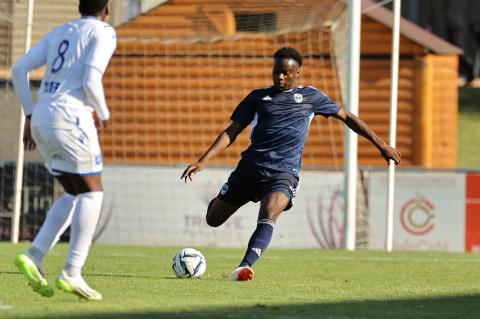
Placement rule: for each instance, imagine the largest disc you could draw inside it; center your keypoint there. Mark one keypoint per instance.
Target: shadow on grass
(467, 306)
(469, 99)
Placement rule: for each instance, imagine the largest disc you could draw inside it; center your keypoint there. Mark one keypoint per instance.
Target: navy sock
(258, 243)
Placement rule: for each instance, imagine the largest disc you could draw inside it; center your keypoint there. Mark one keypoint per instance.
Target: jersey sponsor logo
(58, 157)
(298, 97)
(224, 189)
(267, 98)
(51, 87)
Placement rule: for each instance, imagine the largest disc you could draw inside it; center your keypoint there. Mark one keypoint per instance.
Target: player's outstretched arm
(361, 128)
(224, 140)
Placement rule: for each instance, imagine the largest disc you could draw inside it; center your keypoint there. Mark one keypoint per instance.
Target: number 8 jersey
(66, 50)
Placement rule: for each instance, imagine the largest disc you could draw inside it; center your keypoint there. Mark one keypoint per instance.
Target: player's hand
(390, 153)
(191, 170)
(28, 142)
(101, 125)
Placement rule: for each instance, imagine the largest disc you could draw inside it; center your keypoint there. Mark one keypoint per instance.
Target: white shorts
(74, 150)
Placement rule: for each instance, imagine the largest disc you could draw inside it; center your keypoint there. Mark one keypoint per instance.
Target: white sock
(58, 219)
(85, 218)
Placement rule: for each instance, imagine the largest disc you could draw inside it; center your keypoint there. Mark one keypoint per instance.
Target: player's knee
(211, 220)
(210, 204)
(210, 216)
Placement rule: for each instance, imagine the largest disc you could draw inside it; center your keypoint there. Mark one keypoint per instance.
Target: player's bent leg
(77, 286)
(219, 211)
(30, 264)
(271, 207)
(34, 275)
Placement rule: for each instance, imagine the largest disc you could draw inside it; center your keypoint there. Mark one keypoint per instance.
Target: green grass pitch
(137, 282)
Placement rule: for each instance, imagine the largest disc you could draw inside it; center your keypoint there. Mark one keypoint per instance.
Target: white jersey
(67, 50)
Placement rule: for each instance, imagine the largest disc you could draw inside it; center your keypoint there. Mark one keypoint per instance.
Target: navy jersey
(280, 123)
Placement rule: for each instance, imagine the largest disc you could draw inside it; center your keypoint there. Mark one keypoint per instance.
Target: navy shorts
(250, 182)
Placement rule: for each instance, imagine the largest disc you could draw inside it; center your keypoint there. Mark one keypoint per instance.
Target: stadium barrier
(150, 205)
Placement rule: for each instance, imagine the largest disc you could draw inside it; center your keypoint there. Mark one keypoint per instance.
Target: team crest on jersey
(298, 97)
(224, 189)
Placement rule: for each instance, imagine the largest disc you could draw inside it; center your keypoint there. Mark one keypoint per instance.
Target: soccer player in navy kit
(268, 171)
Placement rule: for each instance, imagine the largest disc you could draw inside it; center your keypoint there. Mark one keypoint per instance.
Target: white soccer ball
(189, 263)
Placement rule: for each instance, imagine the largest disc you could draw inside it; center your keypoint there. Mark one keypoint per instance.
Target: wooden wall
(445, 110)
(170, 100)
(376, 39)
(428, 97)
(375, 108)
(196, 18)
(168, 107)
(436, 139)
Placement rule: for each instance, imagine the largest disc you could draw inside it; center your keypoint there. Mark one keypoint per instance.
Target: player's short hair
(289, 53)
(91, 7)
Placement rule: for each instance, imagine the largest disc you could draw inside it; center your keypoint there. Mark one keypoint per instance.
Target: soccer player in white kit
(61, 124)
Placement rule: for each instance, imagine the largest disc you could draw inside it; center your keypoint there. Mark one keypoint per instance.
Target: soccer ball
(189, 263)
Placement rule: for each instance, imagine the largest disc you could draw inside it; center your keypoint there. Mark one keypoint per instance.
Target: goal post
(351, 140)
(15, 230)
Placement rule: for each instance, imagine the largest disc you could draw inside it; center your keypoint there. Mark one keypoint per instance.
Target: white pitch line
(4, 307)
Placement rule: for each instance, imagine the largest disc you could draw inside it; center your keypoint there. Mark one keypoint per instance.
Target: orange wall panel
(170, 100)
